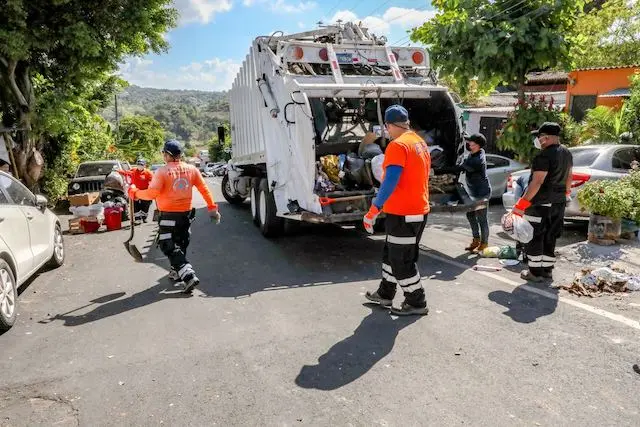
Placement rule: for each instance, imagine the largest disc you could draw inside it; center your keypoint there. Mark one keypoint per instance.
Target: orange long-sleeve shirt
(139, 178)
(172, 188)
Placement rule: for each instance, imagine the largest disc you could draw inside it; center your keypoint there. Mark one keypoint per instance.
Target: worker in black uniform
(544, 202)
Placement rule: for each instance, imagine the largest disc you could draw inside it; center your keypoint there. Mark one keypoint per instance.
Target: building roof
(613, 67)
(547, 77)
(620, 92)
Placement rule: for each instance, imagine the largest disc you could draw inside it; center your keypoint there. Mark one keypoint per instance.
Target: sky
(213, 36)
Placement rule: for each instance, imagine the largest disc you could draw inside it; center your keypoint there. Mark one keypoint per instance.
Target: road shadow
(353, 357)
(524, 306)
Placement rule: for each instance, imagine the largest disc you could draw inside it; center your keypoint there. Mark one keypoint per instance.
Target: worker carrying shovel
(404, 198)
(171, 187)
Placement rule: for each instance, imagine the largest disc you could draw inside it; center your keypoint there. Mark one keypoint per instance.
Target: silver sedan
(590, 163)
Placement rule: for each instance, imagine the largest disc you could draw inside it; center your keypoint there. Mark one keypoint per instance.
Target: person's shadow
(524, 306)
(354, 356)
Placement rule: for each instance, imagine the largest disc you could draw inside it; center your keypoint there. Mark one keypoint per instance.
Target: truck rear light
(418, 57)
(578, 179)
(510, 182)
(297, 53)
(324, 54)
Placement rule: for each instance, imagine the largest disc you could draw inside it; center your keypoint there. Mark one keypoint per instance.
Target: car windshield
(94, 169)
(585, 156)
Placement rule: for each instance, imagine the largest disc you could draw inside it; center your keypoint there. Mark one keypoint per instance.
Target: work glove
(370, 219)
(214, 214)
(132, 192)
(568, 198)
(521, 206)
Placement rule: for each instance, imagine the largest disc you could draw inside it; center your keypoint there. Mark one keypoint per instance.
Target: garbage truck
(307, 131)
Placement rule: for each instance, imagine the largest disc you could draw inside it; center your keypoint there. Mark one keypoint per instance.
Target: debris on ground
(603, 280)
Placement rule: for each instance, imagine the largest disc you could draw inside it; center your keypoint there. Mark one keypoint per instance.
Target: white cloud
(201, 11)
(381, 25)
(283, 6)
(213, 75)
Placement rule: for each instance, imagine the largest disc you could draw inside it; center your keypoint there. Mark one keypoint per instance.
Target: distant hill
(188, 115)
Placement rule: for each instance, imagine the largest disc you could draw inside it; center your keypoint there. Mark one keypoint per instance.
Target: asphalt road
(278, 334)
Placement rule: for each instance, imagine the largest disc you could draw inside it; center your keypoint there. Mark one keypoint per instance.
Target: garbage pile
(603, 280)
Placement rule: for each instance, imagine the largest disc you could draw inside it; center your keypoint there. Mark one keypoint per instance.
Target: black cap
(548, 128)
(172, 148)
(478, 138)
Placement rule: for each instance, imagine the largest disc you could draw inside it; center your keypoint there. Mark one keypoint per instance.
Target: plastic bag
(330, 166)
(508, 252)
(491, 252)
(517, 227)
(376, 167)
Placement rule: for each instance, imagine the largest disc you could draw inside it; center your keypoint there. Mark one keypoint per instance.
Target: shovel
(325, 201)
(130, 247)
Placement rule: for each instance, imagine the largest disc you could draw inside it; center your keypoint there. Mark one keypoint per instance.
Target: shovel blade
(133, 251)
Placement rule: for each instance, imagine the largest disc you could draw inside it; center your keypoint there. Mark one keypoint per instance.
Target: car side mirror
(41, 202)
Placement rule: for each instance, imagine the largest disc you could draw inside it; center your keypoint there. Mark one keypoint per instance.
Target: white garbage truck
(308, 139)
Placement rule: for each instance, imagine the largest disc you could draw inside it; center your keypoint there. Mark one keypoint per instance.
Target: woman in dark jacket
(475, 168)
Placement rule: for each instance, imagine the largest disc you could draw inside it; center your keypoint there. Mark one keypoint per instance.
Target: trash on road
(502, 252)
(486, 268)
(509, 262)
(595, 282)
(517, 227)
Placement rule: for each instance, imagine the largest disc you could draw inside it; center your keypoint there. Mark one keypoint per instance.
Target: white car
(30, 238)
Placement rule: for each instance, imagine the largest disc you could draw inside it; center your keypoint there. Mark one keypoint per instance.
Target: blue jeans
(479, 224)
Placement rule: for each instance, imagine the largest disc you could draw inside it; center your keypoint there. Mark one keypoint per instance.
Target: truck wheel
(228, 193)
(8, 297)
(270, 224)
(255, 197)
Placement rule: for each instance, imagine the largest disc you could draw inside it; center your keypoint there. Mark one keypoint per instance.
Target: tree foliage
(499, 41)
(609, 35)
(604, 125)
(139, 136)
(632, 107)
(64, 45)
(221, 152)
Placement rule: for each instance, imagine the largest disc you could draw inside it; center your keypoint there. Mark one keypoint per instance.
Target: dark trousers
(174, 235)
(547, 222)
(141, 206)
(479, 224)
(400, 257)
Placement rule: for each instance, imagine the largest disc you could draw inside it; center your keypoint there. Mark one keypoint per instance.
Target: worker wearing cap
(544, 202)
(475, 169)
(171, 187)
(404, 198)
(141, 178)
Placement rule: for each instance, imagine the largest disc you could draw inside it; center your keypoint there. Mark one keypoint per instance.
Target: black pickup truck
(91, 175)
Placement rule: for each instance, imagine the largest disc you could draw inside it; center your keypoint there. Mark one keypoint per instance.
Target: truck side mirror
(221, 135)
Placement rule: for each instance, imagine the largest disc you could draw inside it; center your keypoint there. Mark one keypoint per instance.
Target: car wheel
(271, 225)
(57, 259)
(8, 296)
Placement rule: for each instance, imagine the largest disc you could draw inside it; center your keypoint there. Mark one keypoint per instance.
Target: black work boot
(407, 309)
(375, 297)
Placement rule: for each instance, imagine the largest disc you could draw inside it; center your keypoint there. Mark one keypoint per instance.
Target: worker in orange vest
(171, 187)
(404, 198)
(141, 178)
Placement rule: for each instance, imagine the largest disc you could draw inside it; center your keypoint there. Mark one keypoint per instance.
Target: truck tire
(228, 194)
(8, 296)
(270, 224)
(255, 197)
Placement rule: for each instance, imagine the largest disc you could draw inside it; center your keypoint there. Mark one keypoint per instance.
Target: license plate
(344, 58)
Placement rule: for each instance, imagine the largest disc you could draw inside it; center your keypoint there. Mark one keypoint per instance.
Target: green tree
(64, 44)
(609, 35)
(140, 136)
(605, 125)
(632, 107)
(499, 41)
(221, 152)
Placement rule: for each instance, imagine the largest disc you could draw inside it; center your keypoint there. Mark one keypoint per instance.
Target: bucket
(113, 218)
(89, 226)
(604, 230)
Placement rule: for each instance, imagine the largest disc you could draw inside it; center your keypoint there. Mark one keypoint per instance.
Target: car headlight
(75, 186)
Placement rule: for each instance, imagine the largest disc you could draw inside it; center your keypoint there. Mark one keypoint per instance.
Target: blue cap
(396, 114)
(172, 148)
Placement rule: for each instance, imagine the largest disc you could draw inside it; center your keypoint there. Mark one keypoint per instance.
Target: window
(17, 192)
(580, 104)
(623, 158)
(496, 162)
(95, 169)
(3, 198)
(585, 156)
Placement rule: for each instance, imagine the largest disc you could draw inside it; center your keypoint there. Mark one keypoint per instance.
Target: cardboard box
(85, 199)
(74, 226)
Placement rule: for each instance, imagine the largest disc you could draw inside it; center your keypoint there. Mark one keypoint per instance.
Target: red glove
(521, 206)
(370, 218)
(132, 192)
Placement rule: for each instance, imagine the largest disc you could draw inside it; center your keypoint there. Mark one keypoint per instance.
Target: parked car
(590, 163)
(499, 168)
(30, 237)
(90, 176)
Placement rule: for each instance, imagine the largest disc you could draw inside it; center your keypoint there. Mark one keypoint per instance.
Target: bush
(528, 116)
(614, 199)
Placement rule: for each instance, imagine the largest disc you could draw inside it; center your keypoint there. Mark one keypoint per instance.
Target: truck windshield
(94, 169)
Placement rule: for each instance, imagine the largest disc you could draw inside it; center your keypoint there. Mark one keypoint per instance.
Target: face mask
(140, 167)
(537, 144)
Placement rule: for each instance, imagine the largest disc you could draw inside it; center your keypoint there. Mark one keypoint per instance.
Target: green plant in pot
(609, 202)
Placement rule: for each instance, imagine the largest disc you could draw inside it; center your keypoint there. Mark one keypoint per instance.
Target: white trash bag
(376, 167)
(517, 227)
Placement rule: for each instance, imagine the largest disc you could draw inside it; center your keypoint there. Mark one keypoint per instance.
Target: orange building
(588, 88)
